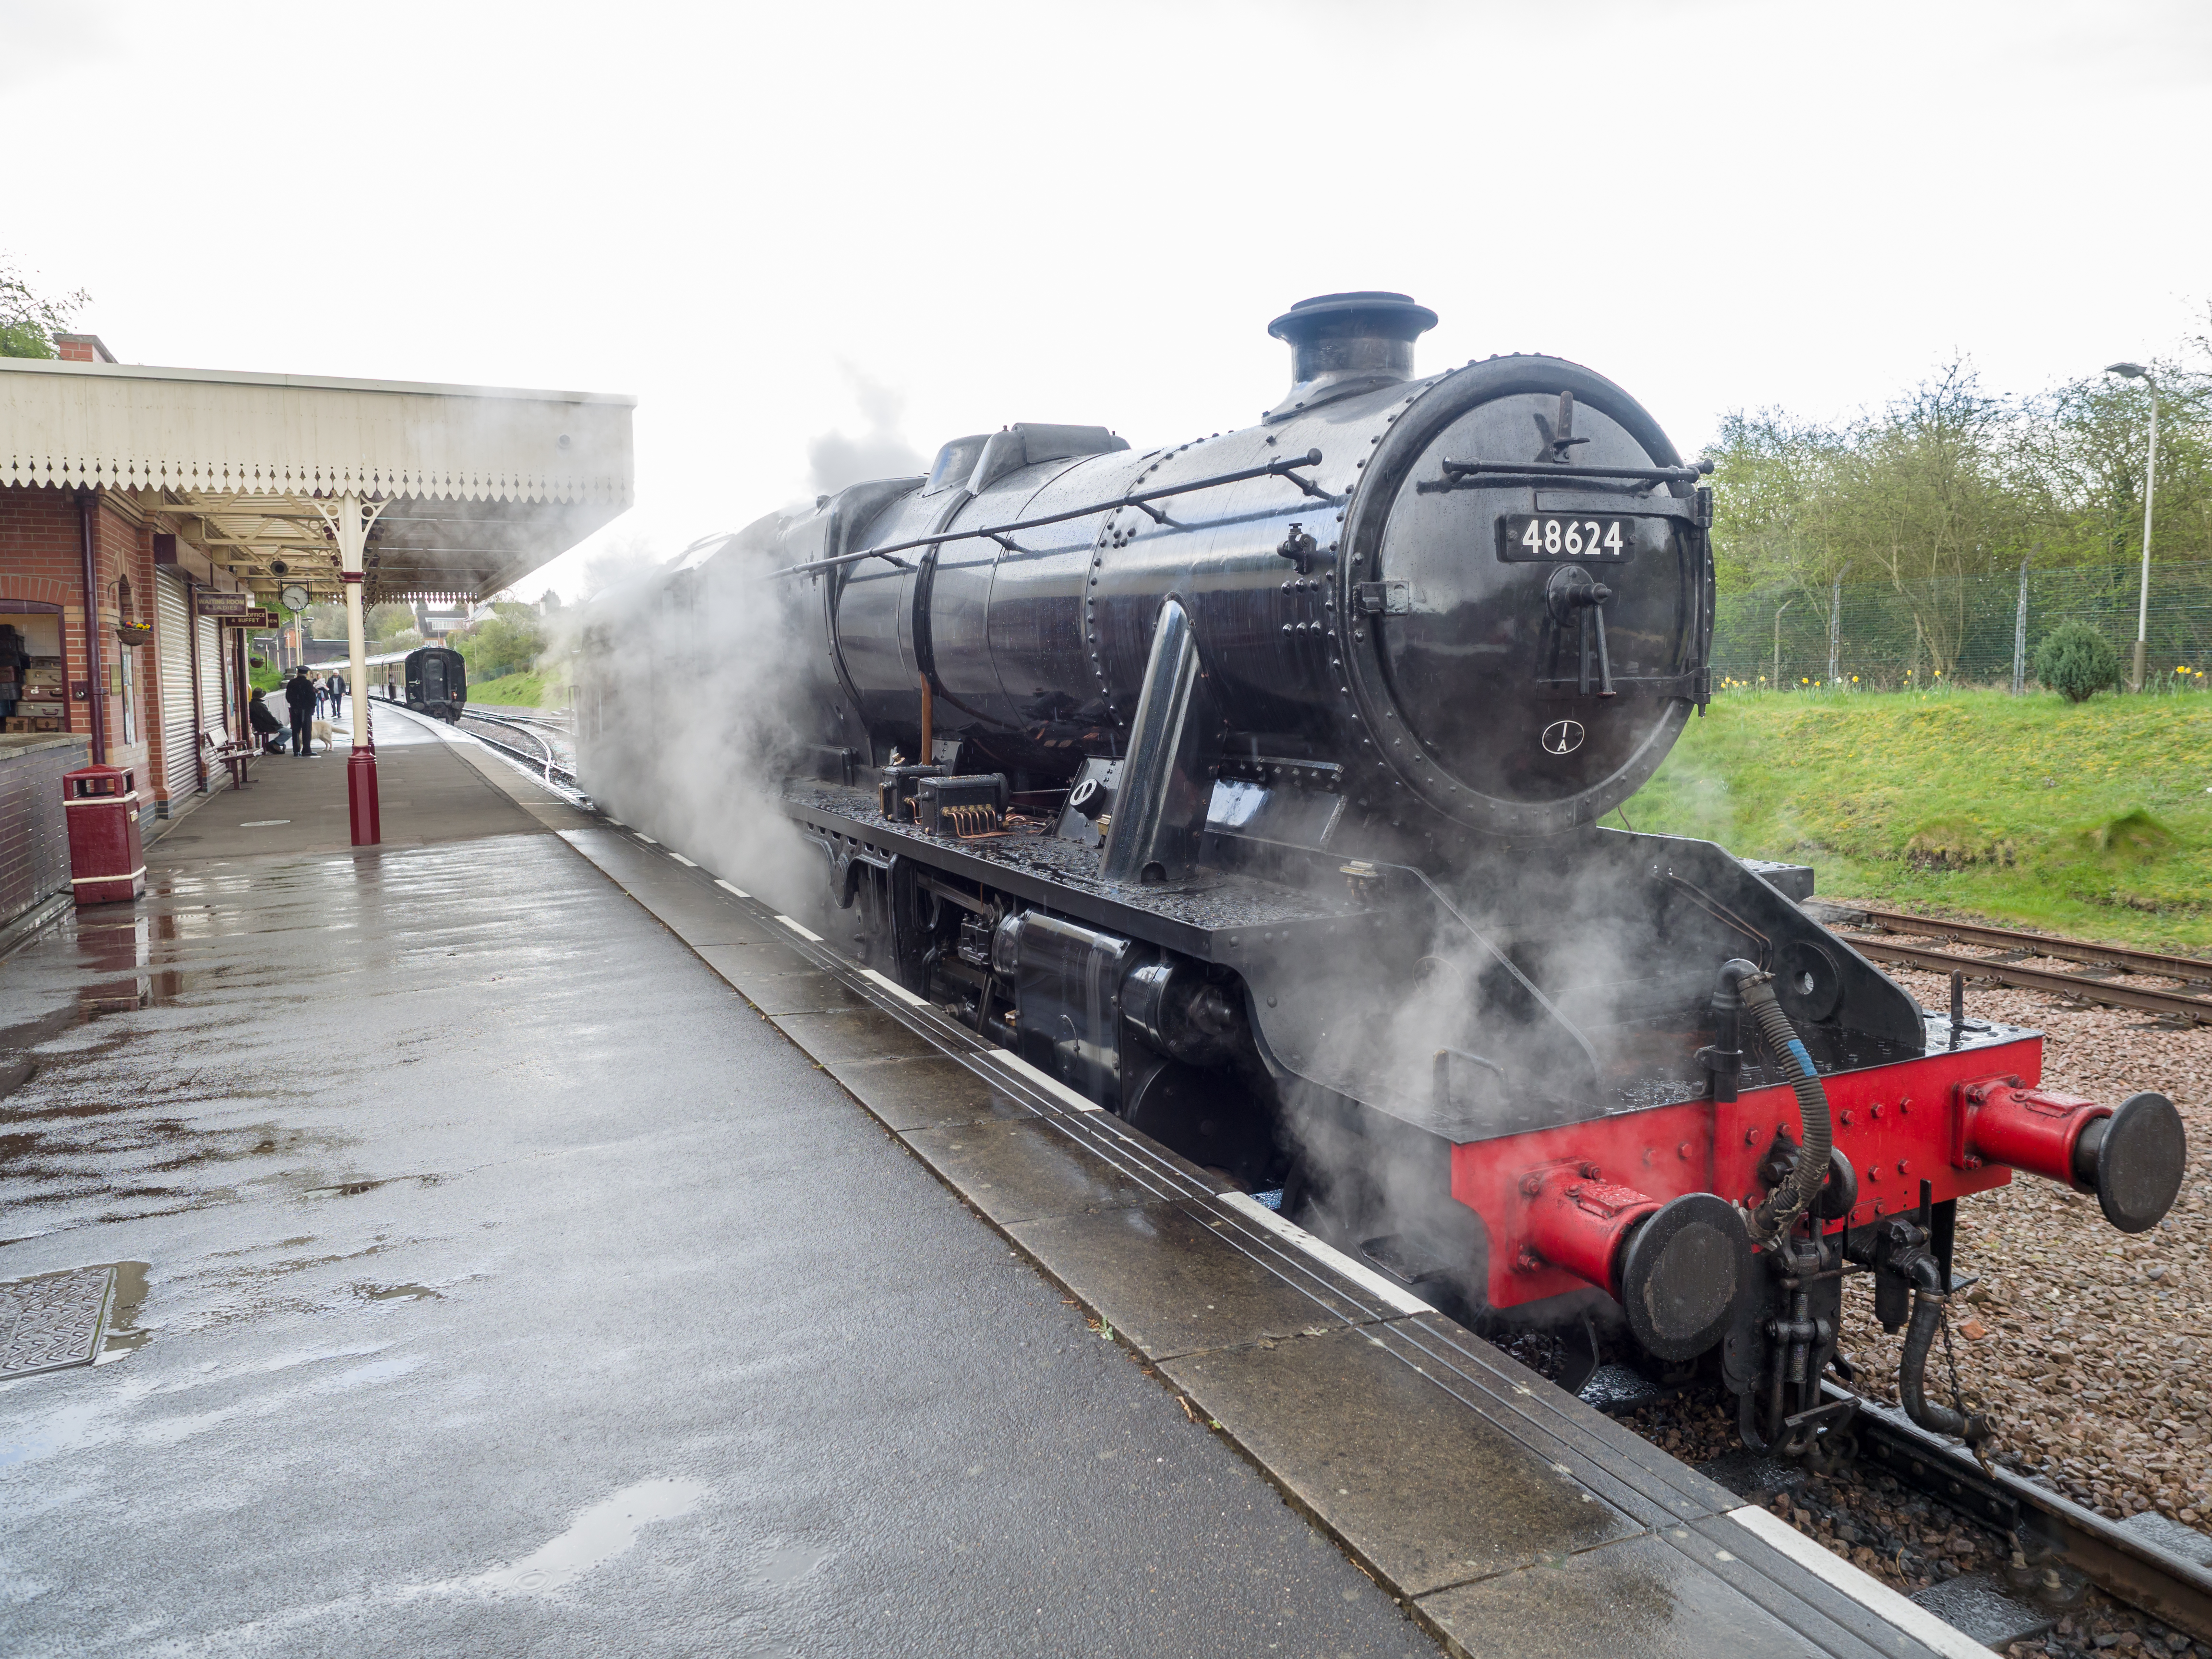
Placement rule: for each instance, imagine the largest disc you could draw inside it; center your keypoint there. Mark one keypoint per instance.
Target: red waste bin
(105, 864)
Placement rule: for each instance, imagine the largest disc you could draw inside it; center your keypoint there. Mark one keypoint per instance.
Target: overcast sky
(841, 234)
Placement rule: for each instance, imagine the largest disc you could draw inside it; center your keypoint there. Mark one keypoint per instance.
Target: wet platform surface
(511, 1286)
(545, 1253)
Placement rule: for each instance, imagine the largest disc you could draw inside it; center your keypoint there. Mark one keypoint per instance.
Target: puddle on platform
(789, 1565)
(596, 1537)
(124, 1332)
(399, 1292)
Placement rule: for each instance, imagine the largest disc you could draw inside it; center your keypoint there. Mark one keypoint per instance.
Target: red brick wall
(35, 860)
(41, 559)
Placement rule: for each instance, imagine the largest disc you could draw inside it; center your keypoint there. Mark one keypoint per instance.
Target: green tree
(508, 641)
(29, 321)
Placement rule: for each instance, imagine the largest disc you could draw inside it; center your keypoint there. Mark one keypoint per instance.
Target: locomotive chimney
(1341, 343)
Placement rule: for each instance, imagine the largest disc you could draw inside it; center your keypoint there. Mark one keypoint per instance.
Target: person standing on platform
(335, 687)
(300, 699)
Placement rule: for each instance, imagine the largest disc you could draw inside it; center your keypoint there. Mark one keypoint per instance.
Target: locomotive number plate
(1566, 538)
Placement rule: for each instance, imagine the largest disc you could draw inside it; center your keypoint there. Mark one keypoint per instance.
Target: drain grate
(53, 1321)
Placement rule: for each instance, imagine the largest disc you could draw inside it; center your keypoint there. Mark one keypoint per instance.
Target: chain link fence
(1967, 630)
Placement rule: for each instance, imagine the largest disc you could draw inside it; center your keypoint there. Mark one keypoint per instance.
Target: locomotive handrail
(1456, 473)
(998, 533)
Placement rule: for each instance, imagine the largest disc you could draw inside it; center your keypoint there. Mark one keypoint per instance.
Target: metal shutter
(173, 631)
(214, 680)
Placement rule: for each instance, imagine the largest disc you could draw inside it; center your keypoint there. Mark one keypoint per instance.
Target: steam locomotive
(1251, 786)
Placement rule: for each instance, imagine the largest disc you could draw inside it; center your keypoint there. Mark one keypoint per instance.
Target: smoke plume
(835, 459)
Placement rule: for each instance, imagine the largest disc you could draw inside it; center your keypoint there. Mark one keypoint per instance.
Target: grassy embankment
(518, 691)
(2093, 820)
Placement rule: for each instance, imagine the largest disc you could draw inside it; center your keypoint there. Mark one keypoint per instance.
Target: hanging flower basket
(135, 633)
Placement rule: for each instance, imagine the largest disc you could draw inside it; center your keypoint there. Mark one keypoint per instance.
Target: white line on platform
(686, 862)
(1044, 1081)
(813, 938)
(646, 839)
(726, 888)
(1252, 1210)
(895, 987)
(1863, 1588)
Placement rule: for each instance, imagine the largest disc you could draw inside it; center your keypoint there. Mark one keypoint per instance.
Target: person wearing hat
(300, 700)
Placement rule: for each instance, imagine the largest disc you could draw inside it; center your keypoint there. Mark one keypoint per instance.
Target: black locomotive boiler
(1251, 786)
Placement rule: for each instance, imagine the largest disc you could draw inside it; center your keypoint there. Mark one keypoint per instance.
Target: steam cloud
(835, 460)
(680, 710)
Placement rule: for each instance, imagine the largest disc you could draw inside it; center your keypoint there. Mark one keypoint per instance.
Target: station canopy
(472, 488)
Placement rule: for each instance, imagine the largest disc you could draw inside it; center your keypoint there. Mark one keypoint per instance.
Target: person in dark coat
(267, 727)
(300, 698)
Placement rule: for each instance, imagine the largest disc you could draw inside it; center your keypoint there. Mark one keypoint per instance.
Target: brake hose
(1928, 1302)
(1790, 1201)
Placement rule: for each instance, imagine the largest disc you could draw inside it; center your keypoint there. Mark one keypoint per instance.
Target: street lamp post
(2137, 372)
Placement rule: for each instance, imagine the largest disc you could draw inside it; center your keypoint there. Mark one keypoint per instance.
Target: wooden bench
(239, 758)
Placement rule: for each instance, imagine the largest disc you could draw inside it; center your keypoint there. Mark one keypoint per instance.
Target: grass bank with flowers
(2093, 819)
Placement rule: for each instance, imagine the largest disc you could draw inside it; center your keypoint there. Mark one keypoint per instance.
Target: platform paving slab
(1176, 1287)
(933, 1092)
(1026, 1169)
(806, 992)
(1639, 1595)
(1331, 1417)
(863, 1033)
(509, 1286)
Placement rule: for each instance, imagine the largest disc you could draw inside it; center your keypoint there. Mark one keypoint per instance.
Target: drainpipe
(88, 503)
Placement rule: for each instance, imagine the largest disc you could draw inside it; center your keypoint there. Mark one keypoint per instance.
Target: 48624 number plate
(1567, 537)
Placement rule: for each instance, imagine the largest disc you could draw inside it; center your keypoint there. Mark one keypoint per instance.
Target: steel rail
(2195, 970)
(547, 765)
(2168, 1586)
(550, 764)
(999, 532)
(2172, 1004)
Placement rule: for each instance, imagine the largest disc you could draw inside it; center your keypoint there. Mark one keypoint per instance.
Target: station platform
(527, 1241)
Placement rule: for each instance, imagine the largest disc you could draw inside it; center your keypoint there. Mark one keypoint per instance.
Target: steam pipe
(928, 755)
(1791, 1201)
(88, 503)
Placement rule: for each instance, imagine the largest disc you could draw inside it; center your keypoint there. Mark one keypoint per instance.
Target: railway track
(543, 759)
(2012, 950)
(2137, 1562)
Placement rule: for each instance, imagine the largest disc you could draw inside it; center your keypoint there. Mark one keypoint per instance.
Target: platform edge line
(1861, 1586)
(1366, 1278)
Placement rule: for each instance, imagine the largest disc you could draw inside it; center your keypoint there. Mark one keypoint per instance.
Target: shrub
(2077, 661)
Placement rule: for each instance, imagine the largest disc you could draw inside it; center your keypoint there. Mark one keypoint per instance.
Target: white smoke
(683, 727)
(835, 459)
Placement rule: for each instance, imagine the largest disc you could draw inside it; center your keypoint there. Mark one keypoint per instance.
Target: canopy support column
(351, 524)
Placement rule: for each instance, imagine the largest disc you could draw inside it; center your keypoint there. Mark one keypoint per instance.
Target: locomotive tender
(1251, 787)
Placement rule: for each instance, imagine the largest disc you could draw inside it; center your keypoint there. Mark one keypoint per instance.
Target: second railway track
(2112, 976)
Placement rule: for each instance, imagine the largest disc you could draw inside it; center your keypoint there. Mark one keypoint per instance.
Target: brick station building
(188, 501)
(146, 578)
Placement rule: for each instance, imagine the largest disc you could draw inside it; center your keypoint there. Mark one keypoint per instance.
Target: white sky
(749, 216)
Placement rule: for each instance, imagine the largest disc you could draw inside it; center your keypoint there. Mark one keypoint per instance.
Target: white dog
(319, 732)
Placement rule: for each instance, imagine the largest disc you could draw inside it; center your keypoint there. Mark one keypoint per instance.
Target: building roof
(481, 485)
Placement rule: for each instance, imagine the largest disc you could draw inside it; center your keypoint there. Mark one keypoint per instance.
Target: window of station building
(34, 693)
(40, 625)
